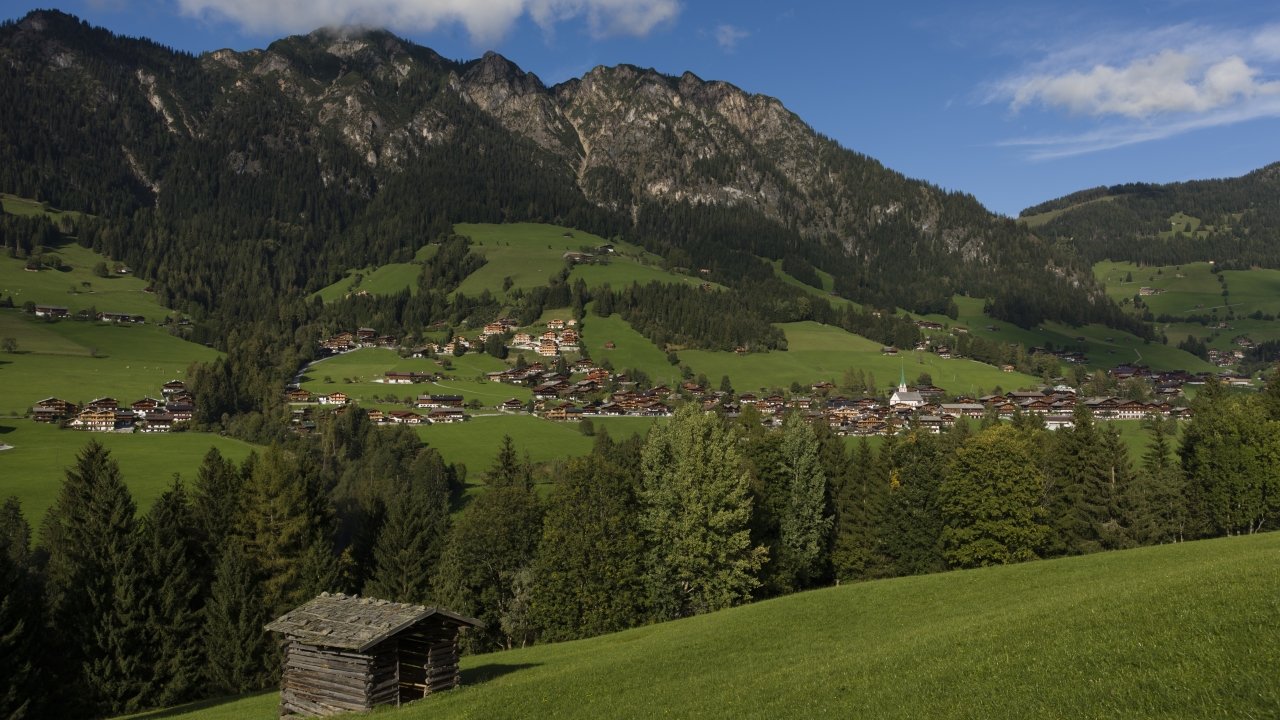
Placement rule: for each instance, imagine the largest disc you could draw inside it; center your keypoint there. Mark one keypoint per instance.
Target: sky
(1013, 102)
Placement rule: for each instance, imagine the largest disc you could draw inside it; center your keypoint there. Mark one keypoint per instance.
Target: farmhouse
(344, 654)
(440, 401)
(51, 311)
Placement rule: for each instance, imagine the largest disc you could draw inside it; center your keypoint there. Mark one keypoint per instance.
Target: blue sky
(1014, 102)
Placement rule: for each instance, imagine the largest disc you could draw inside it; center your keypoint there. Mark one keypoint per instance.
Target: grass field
(15, 205)
(76, 287)
(380, 280)
(820, 352)
(1180, 631)
(80, 361)
(475, 443)
(354, 373)
(35, 467)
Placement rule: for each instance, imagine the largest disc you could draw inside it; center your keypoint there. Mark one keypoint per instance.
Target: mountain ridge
(343, 123)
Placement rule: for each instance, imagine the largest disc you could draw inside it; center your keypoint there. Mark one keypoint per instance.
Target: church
(903, 397)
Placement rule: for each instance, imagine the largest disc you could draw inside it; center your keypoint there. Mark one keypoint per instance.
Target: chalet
(440, 401)
(555, 324)
(888, 350)
(550, 390)
(96, 420)
(493, 328)
(405, 417)
(377, 417)
(50, 410)
(144, 406)
(52, 311)
(337, 398)
(157, 421)
(181, 412)
(298, 395)
(548, 348)
(447, 415)
(928, 325)
(512, 405)
(173, 387)
(120, 317)
(365, 334)
(401, 377)
(102, 403)
(1059, 422)
(522, 339)
(344, 653)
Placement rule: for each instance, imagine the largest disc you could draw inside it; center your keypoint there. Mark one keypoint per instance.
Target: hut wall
(321, 681)
(428, 659)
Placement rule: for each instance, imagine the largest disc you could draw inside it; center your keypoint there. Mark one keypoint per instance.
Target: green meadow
(527, 253)
(76, 287)
(1190, 630)
(475, 443)
(15, 205)
(818, 352)
(80, 361)
(355, 373)
(34, 468)
(380, 280)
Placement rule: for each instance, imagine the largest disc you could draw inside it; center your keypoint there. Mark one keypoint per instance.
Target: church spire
(902, 377)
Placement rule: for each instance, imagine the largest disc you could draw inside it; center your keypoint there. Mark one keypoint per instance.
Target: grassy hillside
(33, 469)
(380, 280)
(1181, 631)
(80, 361)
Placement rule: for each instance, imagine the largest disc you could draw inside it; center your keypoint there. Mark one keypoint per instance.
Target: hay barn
(347, 654)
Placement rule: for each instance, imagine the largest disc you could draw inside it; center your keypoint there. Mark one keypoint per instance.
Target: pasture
(1190, 630)
(79, 361)
(34, 468)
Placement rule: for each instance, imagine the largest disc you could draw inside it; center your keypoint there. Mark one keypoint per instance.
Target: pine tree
(412, 537)
(910, 534)
(179, 575)
(120, 674)
(589, 566)
(697, 508)
(804, 524)
(1079, 497)
(235, 643)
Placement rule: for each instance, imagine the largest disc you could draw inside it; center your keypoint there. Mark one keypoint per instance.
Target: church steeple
(902, 378)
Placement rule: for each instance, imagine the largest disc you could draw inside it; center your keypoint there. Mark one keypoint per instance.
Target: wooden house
(350, 654)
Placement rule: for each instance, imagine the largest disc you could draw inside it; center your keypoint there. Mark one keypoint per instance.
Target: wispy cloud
(728, 37)
(1147, 86)
(484, 20)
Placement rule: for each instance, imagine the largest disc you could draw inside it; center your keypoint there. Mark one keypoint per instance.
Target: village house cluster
(105, 414)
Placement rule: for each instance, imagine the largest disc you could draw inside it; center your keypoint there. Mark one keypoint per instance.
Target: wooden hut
(344, 653)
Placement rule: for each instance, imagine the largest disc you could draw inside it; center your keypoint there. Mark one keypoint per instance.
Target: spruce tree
(89, 536)
(860, 503)
(179, 576)
(119, 674)
(234, 642)
(697, 507)
(216, 500)
(910, 534)
(19, 628)
(1079, 497)
(589, 566)
(412, 537)
(1156, 501)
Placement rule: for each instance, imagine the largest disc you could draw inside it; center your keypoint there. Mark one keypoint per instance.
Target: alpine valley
(342, 315)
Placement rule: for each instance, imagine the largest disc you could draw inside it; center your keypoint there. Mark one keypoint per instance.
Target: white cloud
(1132, 133)
(728, 37)
(1147, 85)
(484, 20)
(1168, 82)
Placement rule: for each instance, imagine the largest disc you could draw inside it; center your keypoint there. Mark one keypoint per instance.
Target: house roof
(354, 623)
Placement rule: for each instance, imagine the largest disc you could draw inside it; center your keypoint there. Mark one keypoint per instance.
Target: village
(106, 414)
(565, 391)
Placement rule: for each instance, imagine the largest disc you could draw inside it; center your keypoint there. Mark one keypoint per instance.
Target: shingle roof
(353, 623)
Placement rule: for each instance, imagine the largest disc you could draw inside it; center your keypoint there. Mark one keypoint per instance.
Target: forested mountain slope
(1234, 222)
(237, 177)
